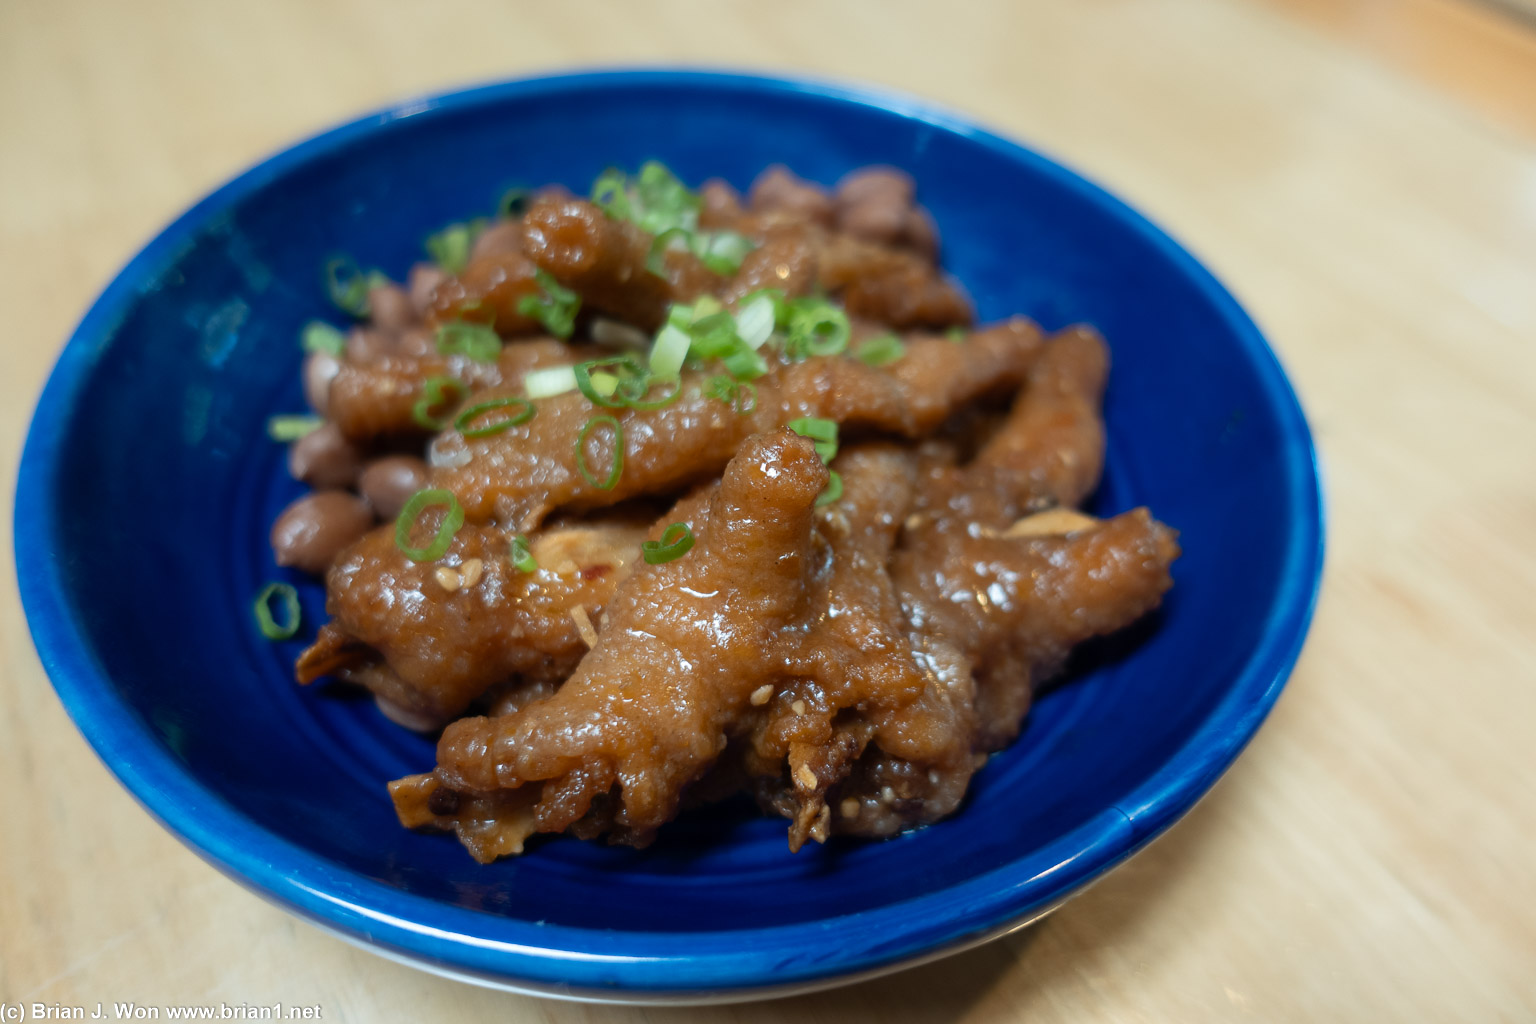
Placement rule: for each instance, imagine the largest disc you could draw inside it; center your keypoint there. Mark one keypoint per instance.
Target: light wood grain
(1481, 51)
(1369, 858)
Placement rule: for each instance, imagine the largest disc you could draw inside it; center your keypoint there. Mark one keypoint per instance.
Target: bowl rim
(657, 967)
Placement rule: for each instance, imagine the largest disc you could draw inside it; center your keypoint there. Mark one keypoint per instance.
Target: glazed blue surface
(147, 487)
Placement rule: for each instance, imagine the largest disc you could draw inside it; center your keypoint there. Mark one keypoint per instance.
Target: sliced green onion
(617, 468)
(555, 306)
(832, 491)
(610, 193)
(670, 350)
(550, 381)
(656, 259)
(676, 541)
(740, 395)
(269, 626)
(513, 202)
(823, 432)
(349, 286)
(881, 350)
(713, 336)
(479, 342)
(816, 328)
(755, 320)
(956, 334)
(522, 558)
(601, 379)
(661, 205)
(660, 201)
(776, 298)
(449, 248)
(722, 251)
(712, 332)
(745, 365)
(418, 503)
(523, 414)
(291, 428)
(436, 391)
(646, 403)
(723, 387)
(319, 336)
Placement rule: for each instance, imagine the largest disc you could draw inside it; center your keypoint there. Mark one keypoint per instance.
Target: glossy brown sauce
(850, 662)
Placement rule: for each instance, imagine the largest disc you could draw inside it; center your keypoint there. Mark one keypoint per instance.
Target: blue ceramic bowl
(147, 488)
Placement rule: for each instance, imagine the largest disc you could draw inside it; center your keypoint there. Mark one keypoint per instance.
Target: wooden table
(1363, 174)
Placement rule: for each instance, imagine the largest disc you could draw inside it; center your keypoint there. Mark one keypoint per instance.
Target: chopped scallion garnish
(740, 395)
(722, 251)
(672, 238)
(616, 468)
(418, 503)
(513, 202)
(756, 318)
(550, 381)
(745, 364)
(669, 351)
(713, 335)
(610, 193)
(449, 248)
(435, 392)
(816, 328)
(676, 541)
(522, 558)
(611, 382)
(555, 306)
(832, 491)
(349, 286)
(269, 626)
(291, 428)
(620, 382)
(823, 432)
(657, 202)
(956, 334)
(672, 390)
(319, 336)
(881, 350)
(524, 412)
(479, 342)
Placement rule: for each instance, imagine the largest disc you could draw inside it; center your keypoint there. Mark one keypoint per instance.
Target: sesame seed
(933, 777)
(887, 795)
(849, 808)
(798, 707)
(762, 695)
(470, 571)
(447, 578)
(805, 777)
